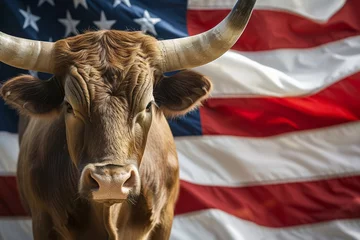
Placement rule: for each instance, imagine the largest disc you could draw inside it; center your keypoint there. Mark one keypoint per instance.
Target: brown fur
(108, 78)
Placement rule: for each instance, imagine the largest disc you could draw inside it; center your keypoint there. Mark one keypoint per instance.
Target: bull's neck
(115, 219)
(107, 217)
(123, 220)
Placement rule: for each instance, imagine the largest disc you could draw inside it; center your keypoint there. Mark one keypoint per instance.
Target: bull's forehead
(108, 55)
(113, 90)
(107, 64)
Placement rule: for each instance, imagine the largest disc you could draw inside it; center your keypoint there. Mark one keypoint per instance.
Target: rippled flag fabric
(273, 154)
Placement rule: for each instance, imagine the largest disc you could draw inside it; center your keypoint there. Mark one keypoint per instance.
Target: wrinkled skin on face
(108, 87)
(109, 98)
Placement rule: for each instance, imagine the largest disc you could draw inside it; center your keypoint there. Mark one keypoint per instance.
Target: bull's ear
(32, 96)
(178, 94)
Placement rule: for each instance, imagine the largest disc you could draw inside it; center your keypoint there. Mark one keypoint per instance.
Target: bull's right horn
(197, 50)
(26, 54)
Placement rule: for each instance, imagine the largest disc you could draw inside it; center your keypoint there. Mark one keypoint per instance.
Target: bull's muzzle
(109, 183)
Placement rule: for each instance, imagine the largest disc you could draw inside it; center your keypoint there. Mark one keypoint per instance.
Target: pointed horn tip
(242, 9)
(180, 53)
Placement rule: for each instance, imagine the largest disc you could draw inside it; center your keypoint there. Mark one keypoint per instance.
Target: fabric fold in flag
(268, 116)
(270, 29)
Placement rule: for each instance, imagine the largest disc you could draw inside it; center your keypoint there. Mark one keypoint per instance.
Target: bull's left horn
(26, 54)
(197, 50)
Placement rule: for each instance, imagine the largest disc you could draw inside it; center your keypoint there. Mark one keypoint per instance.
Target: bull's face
(109, 89)
(108, 106)
(107, 123)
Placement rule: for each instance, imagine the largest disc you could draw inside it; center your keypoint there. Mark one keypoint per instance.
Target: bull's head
(108, 86)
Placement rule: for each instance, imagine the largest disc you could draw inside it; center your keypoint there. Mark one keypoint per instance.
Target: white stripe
(319, 10)
(284, 72)
(243, 161)
(240, 161)
(15, 229)
(215, 225)
(9, 150)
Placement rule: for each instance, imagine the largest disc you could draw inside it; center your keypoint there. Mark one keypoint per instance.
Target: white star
(117, 2)
(104, 23)
(147, 23)
(33, 73)
(51, 2)
(82, 2)
(30, 19)
(70, 24)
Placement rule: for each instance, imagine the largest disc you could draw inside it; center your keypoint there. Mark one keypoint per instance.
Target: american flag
(273, 154)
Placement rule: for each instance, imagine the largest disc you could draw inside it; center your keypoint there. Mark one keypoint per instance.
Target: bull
(97, 158)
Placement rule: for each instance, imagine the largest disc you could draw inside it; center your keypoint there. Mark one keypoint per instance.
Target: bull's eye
(148, 107)
(69, 108)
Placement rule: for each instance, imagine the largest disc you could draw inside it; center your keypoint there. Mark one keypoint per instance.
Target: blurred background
(273, 154)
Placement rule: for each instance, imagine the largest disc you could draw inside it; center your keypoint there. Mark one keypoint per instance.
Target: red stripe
(275, 205)
(269, 29)
(261, 117)
(278, 205)
(10, 204)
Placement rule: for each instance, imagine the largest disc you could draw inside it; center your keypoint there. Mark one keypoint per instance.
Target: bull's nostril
(131, 181)
(108, 183)
(93, 184)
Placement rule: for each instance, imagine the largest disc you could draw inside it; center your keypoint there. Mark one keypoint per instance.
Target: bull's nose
(112, 182)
